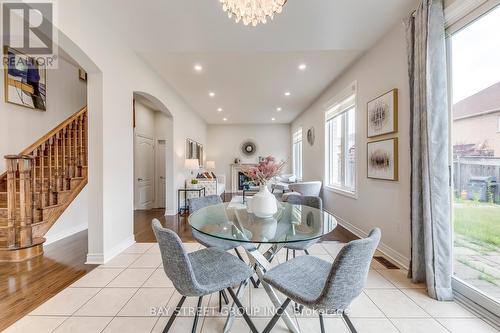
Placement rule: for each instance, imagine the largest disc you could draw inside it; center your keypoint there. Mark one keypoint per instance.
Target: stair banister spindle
(24, 226)
(33, 183)
(11, 163)
(42, 176)
(70, 155)
(64, 165)
(57, 170)
(75, 148)
(50, 188)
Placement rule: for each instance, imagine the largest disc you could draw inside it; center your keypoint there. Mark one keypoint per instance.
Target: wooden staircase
(39, 184)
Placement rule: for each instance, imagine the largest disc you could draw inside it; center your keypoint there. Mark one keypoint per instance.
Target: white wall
(224, 144)
(20, 126)
(115, 73)
(383, 204)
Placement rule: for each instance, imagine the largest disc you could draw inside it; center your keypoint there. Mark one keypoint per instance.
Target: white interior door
(144, 172)
(160, 174)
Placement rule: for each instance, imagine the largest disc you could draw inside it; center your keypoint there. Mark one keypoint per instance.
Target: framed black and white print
(383, 114)
(383, 159)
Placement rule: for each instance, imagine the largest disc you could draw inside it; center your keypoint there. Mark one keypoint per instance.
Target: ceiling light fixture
(278, 109)
(287, 93)
(211, 94)
(224, 119)
(273, 119)
(302, 67)
(198, 68)
(219, 110)
(252, 11)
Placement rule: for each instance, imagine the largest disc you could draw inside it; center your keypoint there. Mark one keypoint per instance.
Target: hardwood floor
(24, 286)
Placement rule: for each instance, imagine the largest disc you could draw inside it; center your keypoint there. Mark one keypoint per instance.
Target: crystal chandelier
(252, 11)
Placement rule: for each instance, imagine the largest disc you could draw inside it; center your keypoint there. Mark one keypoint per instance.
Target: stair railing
(43, 170)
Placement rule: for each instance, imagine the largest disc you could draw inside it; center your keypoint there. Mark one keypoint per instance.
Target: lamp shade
(210, 165)
(191, 164)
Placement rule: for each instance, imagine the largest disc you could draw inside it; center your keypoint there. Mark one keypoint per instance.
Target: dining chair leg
(197, 314)
(307, 252)
(242, 310)
(220, 301)
(293, 254)
(349, 323)
(226, 300)
(276, 316)
(286, 254)
(176, 312)
(321, 323)
(255, 283)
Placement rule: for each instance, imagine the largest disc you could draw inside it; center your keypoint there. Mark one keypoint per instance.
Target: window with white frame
(340, 143)
(297, 153)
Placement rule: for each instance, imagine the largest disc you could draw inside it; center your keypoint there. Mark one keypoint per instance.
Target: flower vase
(264, 203)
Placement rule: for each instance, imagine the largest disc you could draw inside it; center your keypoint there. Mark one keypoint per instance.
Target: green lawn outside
(478, 221)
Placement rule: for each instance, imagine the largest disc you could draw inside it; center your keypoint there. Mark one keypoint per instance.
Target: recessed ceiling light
(211, 94)
(219, 110)
(287, 93)
(278, 109)
(302, 67)
(273, 119)
(198, 68)
(224, 119)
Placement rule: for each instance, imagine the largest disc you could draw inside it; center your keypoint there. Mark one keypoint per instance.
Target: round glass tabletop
(292, 223)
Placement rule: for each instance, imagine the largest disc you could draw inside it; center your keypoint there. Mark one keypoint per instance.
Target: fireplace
(242, 180)
(237, 177)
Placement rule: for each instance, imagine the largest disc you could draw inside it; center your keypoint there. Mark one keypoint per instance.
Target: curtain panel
(431, 257)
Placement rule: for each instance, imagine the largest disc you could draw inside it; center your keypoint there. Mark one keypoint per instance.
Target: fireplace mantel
(235, 169)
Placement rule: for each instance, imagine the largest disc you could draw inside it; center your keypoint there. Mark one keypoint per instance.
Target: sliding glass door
(475, 124)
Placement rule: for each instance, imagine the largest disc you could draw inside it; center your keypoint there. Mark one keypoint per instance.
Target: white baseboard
(65, 233)
(172, 212)
(100, 258)
(398, 259)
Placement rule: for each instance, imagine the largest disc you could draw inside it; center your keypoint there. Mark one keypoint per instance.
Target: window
(340, 144)
(474, 53)
(297, 153)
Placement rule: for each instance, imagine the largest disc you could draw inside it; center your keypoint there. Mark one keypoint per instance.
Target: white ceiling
(250, 68)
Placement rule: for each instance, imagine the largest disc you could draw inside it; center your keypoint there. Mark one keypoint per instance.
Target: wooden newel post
(11, 164)
(25, 200)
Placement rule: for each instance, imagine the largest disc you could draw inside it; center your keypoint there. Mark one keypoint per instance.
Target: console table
(185, 208)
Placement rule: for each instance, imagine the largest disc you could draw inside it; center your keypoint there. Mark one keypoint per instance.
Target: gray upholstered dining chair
(310, 201)
(321, 286)
(303, 188)
(196, 204)
(199, 273)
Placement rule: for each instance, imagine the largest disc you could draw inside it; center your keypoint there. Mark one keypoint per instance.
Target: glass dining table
(262, 238)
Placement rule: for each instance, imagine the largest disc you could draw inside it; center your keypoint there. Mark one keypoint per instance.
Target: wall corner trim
(102, 258)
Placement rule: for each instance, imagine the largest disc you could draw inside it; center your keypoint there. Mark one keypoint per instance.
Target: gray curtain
(431, 258)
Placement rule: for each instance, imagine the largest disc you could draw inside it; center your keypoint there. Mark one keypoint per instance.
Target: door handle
(162, 177)
(140, 179)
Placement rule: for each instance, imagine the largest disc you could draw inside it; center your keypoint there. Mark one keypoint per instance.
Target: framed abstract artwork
(25, 81)
(383, 114)
(194, 150)
(383, 159)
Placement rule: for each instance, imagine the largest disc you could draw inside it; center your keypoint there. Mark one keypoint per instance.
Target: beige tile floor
(118, 297)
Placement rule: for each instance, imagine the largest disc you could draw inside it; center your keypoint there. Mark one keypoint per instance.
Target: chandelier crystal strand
(252, 11)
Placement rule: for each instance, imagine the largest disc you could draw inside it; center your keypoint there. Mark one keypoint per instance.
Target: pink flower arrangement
(264, 171)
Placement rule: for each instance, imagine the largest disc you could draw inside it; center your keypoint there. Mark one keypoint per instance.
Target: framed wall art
(383, 159)
(25, 81)
(383, 114)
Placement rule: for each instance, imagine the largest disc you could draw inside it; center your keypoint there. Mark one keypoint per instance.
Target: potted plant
(263, 204)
